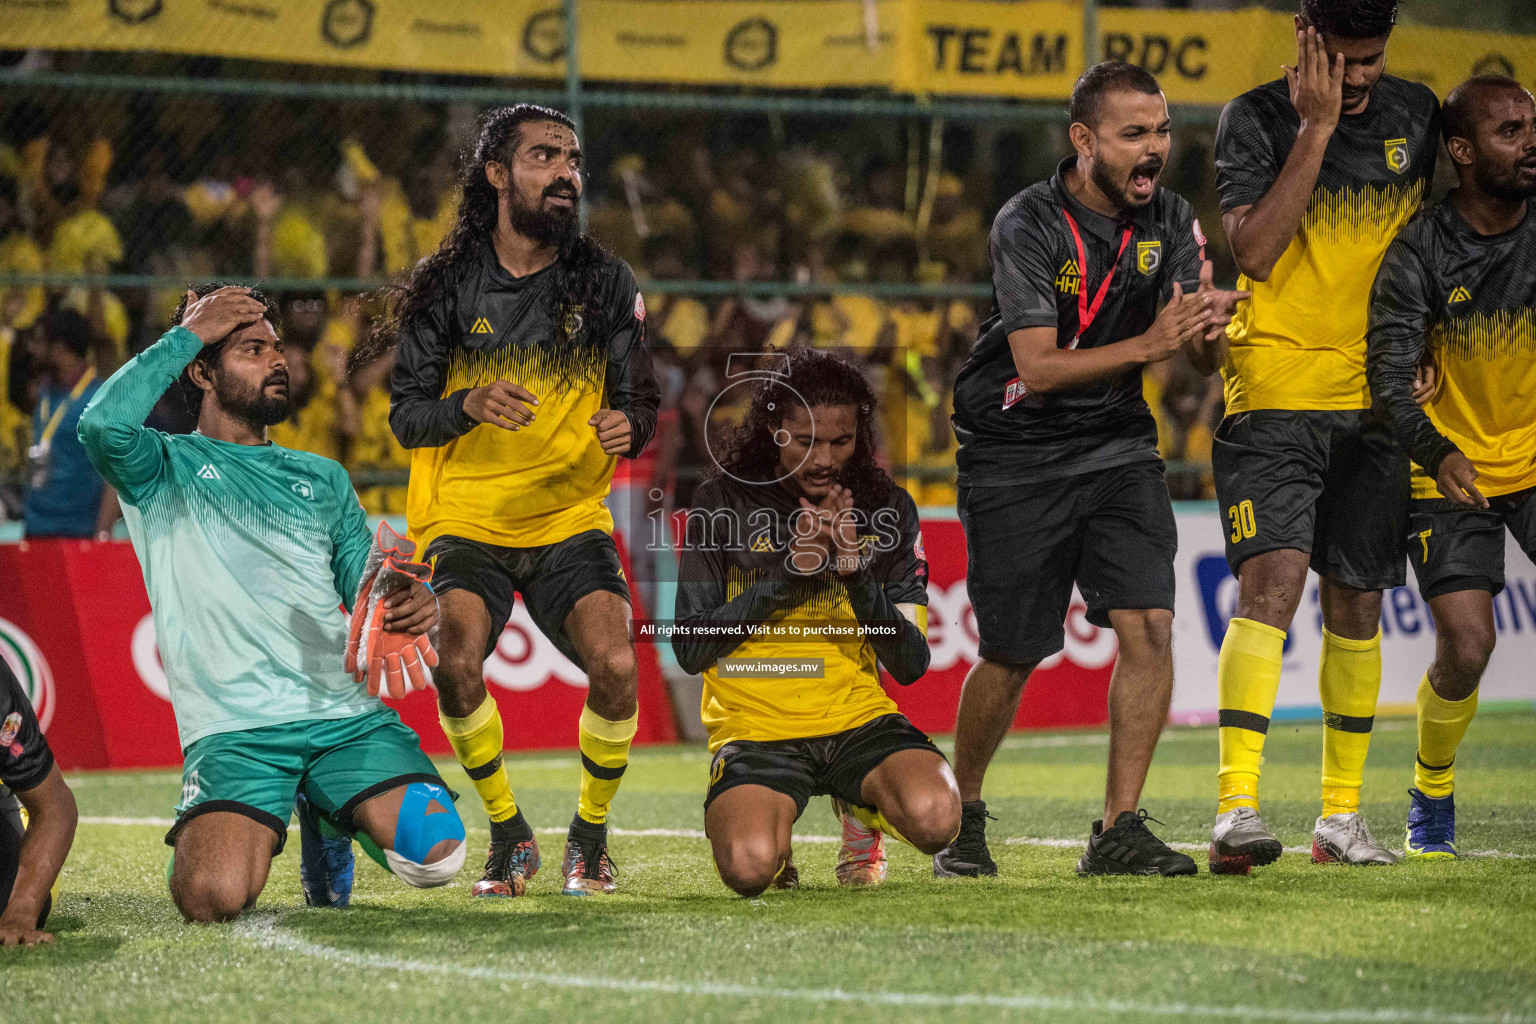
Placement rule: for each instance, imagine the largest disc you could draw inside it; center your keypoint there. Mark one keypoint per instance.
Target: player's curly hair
(1351, 19)
(579, 269)
(190, 393)
(817, 378)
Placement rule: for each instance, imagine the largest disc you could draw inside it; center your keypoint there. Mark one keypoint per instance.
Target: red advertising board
(1068, 689)
(76, 629)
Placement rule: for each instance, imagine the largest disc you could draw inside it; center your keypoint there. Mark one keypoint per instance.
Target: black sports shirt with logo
(1471, 300)
(1010, 436)
(1299, 343)
(546, 482)
(25, 759)
(736, 569)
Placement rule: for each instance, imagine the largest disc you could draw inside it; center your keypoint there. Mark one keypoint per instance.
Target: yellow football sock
(1349, 680)
(869, 817)
(604, 756)
(1247, 678)
(1442, 724)
(477, 742)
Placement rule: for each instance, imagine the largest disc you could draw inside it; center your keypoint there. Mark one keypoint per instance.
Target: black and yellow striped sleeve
(631, 378)
(1401, 315)
(419, 413)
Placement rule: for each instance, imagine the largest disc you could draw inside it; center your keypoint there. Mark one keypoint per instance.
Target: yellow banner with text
(1027, 49)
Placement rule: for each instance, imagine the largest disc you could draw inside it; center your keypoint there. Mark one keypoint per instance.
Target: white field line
(264, 931)
(1173, 734)
(694, 833)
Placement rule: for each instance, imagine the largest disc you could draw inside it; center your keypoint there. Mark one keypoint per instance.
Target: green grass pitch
(1452, 943)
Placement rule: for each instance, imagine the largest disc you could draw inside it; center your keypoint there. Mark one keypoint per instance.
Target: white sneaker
(1345, 839)
(1240, 843)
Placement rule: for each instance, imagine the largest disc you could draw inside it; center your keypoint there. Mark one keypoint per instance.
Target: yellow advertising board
(982, 48)
(1032, 49)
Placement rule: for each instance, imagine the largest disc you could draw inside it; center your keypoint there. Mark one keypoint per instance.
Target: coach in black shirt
(1060, 480)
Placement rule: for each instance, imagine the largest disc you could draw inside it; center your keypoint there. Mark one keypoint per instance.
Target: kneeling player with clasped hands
(798, 542)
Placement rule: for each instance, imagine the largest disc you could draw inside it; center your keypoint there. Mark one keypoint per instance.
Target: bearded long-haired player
(521, 375)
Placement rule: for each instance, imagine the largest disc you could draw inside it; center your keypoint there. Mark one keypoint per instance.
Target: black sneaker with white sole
(967, 856)
(1128, 847)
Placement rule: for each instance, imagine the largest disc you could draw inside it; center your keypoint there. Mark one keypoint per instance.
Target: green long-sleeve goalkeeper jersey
(248, 552)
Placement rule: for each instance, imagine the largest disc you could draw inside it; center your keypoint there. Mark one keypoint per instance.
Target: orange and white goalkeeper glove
(386, 543)
(398, 662)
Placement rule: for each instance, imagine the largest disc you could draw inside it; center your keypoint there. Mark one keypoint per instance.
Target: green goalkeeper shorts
(337, 763)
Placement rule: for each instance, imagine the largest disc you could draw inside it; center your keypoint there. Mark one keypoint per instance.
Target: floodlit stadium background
(814, 170)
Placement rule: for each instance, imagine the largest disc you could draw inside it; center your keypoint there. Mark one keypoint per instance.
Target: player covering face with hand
(1318, 171)
(1460, 283)
(802, 529)
(248, 550)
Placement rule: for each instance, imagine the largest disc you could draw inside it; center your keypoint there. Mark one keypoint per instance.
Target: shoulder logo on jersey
(208, 472)
(1149, 256)
(303, 490)
(639, 306)
(1069, 280)
(11, 727)
(1459, 296)
(482, 326)
(1397, 155)
(762, 543)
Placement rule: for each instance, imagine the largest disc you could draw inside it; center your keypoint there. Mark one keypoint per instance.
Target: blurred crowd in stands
(255, 191)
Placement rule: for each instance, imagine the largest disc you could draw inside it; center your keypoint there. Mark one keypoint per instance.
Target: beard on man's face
(546, 223)
(255, 405)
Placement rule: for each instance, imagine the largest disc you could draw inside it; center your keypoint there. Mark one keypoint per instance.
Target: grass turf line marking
(693, 833)
(264, 931)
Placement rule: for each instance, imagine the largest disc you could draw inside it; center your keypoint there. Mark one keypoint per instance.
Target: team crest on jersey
(11, 727)
(1397, 155)
(1069, 280)
(762, 544)
(1149, 256)
(482, 326)
(1459, 296)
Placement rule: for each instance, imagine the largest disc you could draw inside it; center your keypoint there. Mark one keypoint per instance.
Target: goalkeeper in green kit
(248, 552)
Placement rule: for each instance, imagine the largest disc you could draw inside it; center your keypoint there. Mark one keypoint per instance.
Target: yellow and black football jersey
(736, 577)
(545, 482)
(1471, 299)
(1299, 343)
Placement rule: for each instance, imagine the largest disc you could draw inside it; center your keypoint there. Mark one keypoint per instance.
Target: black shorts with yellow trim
(1332, 483)
(551, 578)
(1453, 547)
(832, 765)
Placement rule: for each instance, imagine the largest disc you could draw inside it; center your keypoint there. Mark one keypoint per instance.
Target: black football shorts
(824, 765)
(1330, 483)
(1111, 532)
(1452, 547)
(551, 578)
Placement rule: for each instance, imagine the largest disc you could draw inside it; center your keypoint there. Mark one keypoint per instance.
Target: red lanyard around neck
(1086, 313)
